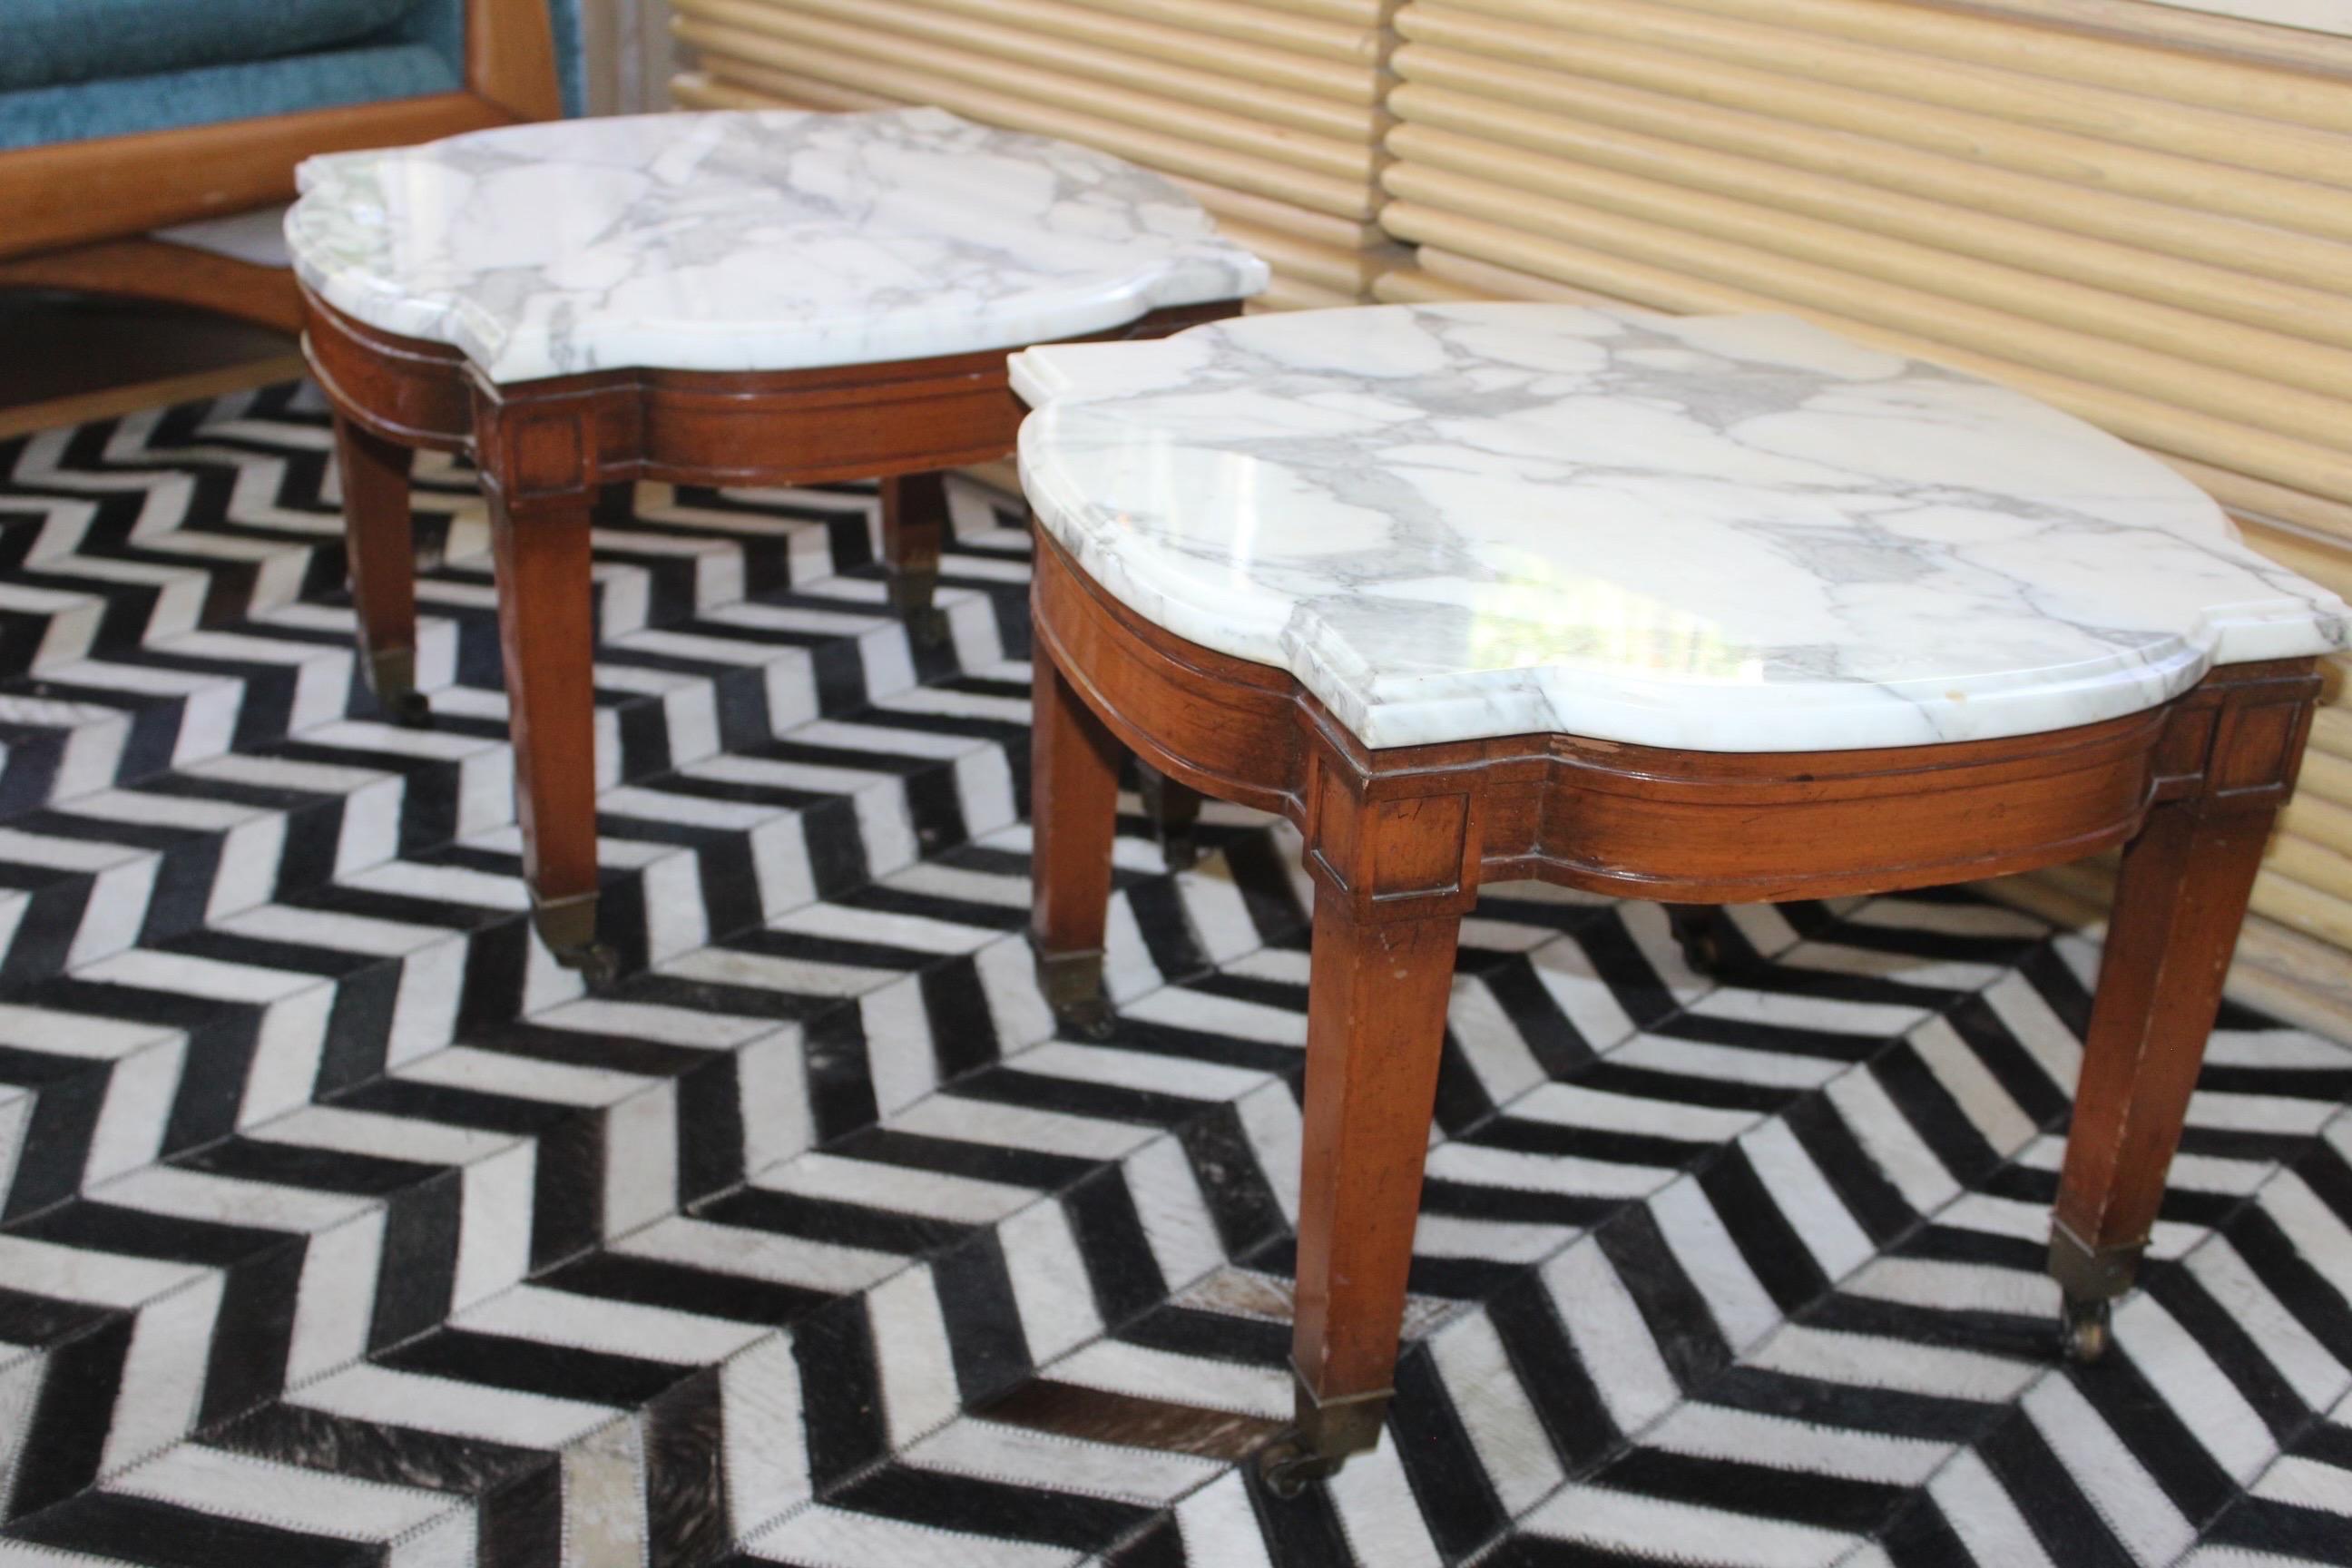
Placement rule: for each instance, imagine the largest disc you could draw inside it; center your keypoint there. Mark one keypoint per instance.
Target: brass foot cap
(598, 965)
(1326, 1432)
(568, 927)
(1073, 985)
(2092, 1273)
(1288, 1466)
(392, 675)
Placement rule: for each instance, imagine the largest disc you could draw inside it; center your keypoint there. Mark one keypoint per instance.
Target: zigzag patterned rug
(338, 1227)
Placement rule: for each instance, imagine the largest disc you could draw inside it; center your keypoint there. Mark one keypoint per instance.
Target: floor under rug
(338, 1227)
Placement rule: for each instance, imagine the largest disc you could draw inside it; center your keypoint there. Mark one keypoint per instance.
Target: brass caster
(1288, 1465)
(1699, 932)
(910, 601)
(568, 926)
(2090, 1279)
(597, 963)
(1324, 1433)
(392, 675)
(1089, 1020)
(2088, 1329)
(1073, 985)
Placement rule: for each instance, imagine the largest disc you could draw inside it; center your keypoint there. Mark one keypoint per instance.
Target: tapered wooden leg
(381, 547)
(1375, 1027)
(1073, 812)
(547, 632)
(914, 531)
(2177, 906)
(1174, 809)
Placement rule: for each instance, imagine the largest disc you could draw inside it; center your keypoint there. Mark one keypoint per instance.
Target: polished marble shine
(776, 240)
(1723, 533)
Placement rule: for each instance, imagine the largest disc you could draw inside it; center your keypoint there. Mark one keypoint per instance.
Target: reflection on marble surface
(755, 241)
(1733, 533)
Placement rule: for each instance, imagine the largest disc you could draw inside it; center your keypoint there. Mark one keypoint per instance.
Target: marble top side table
(755, 299)
(1702, 611)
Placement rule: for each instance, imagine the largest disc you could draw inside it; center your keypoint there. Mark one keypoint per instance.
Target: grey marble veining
(1724, 534)
(749, 241)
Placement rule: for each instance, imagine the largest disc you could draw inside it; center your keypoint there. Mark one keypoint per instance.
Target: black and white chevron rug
(338, 1227)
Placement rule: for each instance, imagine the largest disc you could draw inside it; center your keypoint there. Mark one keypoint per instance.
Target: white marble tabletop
(749, 241)
(1732, 533)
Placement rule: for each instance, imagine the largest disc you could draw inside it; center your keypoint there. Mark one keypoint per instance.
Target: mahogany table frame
(546, 447)
(1397, 841)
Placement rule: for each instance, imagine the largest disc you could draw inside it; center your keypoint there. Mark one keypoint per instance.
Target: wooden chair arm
(511, 58)
(115, 187)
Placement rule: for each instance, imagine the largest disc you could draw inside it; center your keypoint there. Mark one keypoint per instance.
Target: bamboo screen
(1268, 111)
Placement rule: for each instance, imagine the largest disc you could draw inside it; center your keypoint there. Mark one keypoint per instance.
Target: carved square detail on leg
(1393, 856)
(1418, 846)
(2256, 751)
(545, 455)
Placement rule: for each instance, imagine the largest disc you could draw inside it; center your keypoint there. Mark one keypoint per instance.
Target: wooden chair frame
(79, 212)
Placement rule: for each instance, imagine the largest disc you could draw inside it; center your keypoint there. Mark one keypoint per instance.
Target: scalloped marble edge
(1388, 708)
(540, 333)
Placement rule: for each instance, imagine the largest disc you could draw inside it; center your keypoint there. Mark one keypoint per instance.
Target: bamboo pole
(1160, 80)
(2284, 266)
(2245, 138)
(2331, 731)
(1291, 294)
(2293, 204)
(695, 90)
(1076, 26)
(2051, 894)
(2314, 866)
(2299, 906)
(792, 41)
(2037, 47)
(2298, 521)
(1251, 24)
(2204, 34)
(2289, 316)
(1347, 13)
(2326, 775)
(1259, 212)
(795, 91)
(2294, 978)
(1348, 272)
(756, 54)
(1771, 216)
(1412, 286)
(1503, 283)
(2323, 821)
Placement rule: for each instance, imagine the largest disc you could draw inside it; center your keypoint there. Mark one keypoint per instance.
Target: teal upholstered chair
(121, 117)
